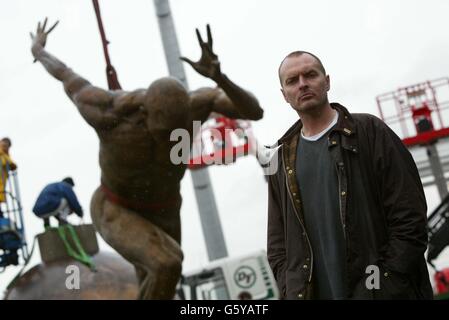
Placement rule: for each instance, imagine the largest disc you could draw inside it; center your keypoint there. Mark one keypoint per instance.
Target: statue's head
(166, 104)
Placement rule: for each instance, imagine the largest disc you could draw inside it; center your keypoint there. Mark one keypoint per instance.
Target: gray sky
(367, 47)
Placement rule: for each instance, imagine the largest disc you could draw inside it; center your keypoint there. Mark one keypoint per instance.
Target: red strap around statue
(136, 204)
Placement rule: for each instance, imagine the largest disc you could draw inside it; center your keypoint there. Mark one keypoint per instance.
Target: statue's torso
(135, 163)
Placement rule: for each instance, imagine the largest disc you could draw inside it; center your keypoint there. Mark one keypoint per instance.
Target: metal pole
(437, 170)
(210, 220)
(20, 213)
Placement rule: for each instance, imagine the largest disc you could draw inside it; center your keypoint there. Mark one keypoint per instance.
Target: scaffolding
(13, 245)
(419, 114)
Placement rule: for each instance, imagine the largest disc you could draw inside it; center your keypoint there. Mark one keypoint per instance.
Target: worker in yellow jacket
(6, 165)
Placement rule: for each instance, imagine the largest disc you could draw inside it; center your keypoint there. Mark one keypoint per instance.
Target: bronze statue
(137, 207)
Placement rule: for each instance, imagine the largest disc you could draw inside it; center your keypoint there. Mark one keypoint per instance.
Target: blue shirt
(50, 198)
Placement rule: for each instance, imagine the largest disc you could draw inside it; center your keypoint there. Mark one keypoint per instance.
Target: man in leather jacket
(347, 211)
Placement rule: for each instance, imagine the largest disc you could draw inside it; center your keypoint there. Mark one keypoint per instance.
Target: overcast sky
(367, 47)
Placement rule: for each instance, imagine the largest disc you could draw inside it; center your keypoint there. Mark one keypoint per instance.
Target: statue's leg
(156, 255)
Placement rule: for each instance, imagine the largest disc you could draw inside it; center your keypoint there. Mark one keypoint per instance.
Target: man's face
(304, 85)
(4, 146)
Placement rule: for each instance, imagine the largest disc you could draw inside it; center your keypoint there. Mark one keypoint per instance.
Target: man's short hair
(69, 180)
(8, 141)
(297, 54)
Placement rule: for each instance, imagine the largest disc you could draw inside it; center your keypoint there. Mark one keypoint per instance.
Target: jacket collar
(345, 124)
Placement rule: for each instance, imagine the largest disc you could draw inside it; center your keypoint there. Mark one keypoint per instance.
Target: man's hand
(208, 65)
(40, 38)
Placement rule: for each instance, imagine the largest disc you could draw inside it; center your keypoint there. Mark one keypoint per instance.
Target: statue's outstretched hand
(208, 65)
(40, 38)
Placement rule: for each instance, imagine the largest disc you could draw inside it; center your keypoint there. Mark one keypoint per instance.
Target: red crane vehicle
(420, 114)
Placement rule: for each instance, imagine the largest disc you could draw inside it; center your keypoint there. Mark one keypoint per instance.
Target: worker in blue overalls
(57, 200)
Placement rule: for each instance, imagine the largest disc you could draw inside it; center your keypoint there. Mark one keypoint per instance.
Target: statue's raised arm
(228, 98)
(93, 103)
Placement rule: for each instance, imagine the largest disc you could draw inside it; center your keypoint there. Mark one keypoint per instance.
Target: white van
(247, 277)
